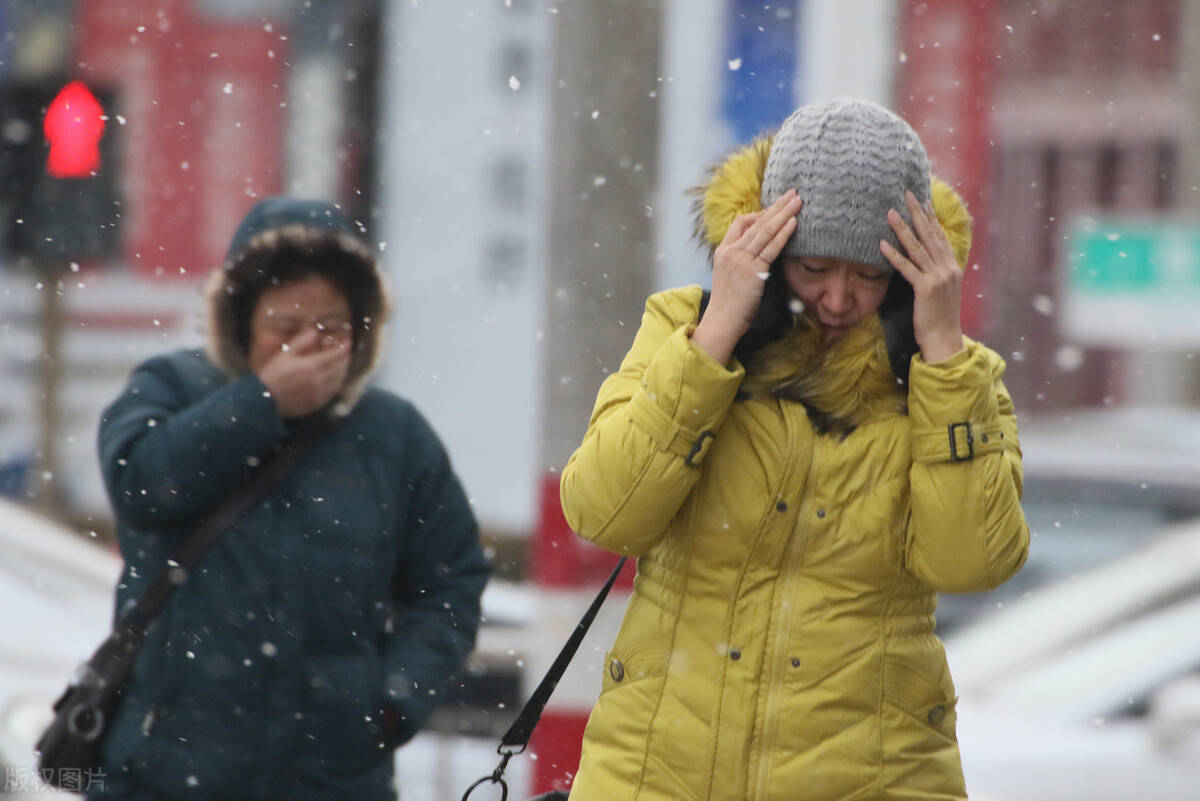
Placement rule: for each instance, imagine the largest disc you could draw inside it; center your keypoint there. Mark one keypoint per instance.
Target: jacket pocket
(923, 694)
(919, 748)
(617, 739)
(345, 697)
(626, 666)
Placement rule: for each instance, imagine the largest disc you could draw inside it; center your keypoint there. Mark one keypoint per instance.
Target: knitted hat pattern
(850, 161)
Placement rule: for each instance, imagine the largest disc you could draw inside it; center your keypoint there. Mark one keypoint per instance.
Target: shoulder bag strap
(207, 530)
(517, 737)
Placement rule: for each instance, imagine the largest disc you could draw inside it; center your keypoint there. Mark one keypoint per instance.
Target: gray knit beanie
(849, 161)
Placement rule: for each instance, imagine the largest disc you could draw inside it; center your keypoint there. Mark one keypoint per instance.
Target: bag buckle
(497, 776)
(954, 454)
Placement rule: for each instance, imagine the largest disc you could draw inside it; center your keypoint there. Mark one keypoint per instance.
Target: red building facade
(1040, 112)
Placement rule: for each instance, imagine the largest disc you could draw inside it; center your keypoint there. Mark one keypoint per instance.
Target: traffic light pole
(45, 485)
(59, 205)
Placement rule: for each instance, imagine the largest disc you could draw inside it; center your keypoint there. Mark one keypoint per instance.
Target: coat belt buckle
(698, 447)
(955, 456)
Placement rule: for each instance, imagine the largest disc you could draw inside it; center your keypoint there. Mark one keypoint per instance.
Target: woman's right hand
(307, 374)
(741, 264)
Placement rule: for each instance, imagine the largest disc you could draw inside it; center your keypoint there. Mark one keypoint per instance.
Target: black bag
(69, 749)
(517, 737)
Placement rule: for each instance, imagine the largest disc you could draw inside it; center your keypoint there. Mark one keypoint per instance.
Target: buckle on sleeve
(954, 454)
(698, 447)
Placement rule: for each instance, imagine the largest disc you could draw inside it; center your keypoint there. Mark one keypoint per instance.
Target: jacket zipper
(794, 555)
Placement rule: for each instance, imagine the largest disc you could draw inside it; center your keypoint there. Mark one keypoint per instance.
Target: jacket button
(984, 438)
(821, 513)
(936, 715)
(781, 506)
(795, 662)
(735, 654)
(616, 670)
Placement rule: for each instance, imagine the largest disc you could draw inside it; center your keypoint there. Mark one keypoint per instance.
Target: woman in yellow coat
(799, 461)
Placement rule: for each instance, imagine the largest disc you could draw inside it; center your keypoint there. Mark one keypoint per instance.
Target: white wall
(464, 340)
(848, 49)
(693, 134)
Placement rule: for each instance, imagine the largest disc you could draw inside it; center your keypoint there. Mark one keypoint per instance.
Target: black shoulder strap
(519, 732)
(207, 530)
(517, 737)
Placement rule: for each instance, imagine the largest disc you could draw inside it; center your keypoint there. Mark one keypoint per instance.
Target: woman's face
(838, 294)
(284, 312)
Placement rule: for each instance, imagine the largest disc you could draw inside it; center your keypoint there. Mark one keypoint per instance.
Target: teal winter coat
(319, 631)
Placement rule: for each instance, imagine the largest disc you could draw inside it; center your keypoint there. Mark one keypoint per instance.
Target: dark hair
(287, 262)
(896, 315)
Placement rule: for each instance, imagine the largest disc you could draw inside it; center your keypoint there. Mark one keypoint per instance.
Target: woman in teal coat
(318, 633)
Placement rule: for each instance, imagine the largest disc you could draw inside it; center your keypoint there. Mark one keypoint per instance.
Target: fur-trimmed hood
(852, 380)
(281, 240)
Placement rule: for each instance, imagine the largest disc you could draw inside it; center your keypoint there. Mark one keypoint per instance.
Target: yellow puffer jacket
(779, 642)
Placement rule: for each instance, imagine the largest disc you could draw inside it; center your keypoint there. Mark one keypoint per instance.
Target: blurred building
(1047, 113)
(459, 159)
(524, 165)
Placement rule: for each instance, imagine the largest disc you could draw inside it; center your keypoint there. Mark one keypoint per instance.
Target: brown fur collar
(842, 385)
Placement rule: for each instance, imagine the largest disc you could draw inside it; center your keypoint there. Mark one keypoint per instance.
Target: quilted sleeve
(966, 530)
(653, 423)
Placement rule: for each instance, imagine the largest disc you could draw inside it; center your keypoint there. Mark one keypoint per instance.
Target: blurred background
(523, 167)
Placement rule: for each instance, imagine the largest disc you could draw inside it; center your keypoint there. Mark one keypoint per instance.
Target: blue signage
(762, 65)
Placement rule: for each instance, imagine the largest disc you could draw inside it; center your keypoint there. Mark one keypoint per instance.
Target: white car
(56, 590)
(1088, 688)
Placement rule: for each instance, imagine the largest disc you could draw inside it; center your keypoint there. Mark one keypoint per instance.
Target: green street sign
(1132, 281)
(1135, 257)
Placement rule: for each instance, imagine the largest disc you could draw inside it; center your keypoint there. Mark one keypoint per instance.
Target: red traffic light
(73, 127)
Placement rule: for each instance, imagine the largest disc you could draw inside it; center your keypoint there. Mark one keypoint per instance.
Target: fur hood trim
(232, 291)
(734, 188)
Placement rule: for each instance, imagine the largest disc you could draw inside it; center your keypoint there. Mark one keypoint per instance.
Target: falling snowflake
(1069, 358)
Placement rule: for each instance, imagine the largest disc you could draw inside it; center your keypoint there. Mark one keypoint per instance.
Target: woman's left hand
(928, 264)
